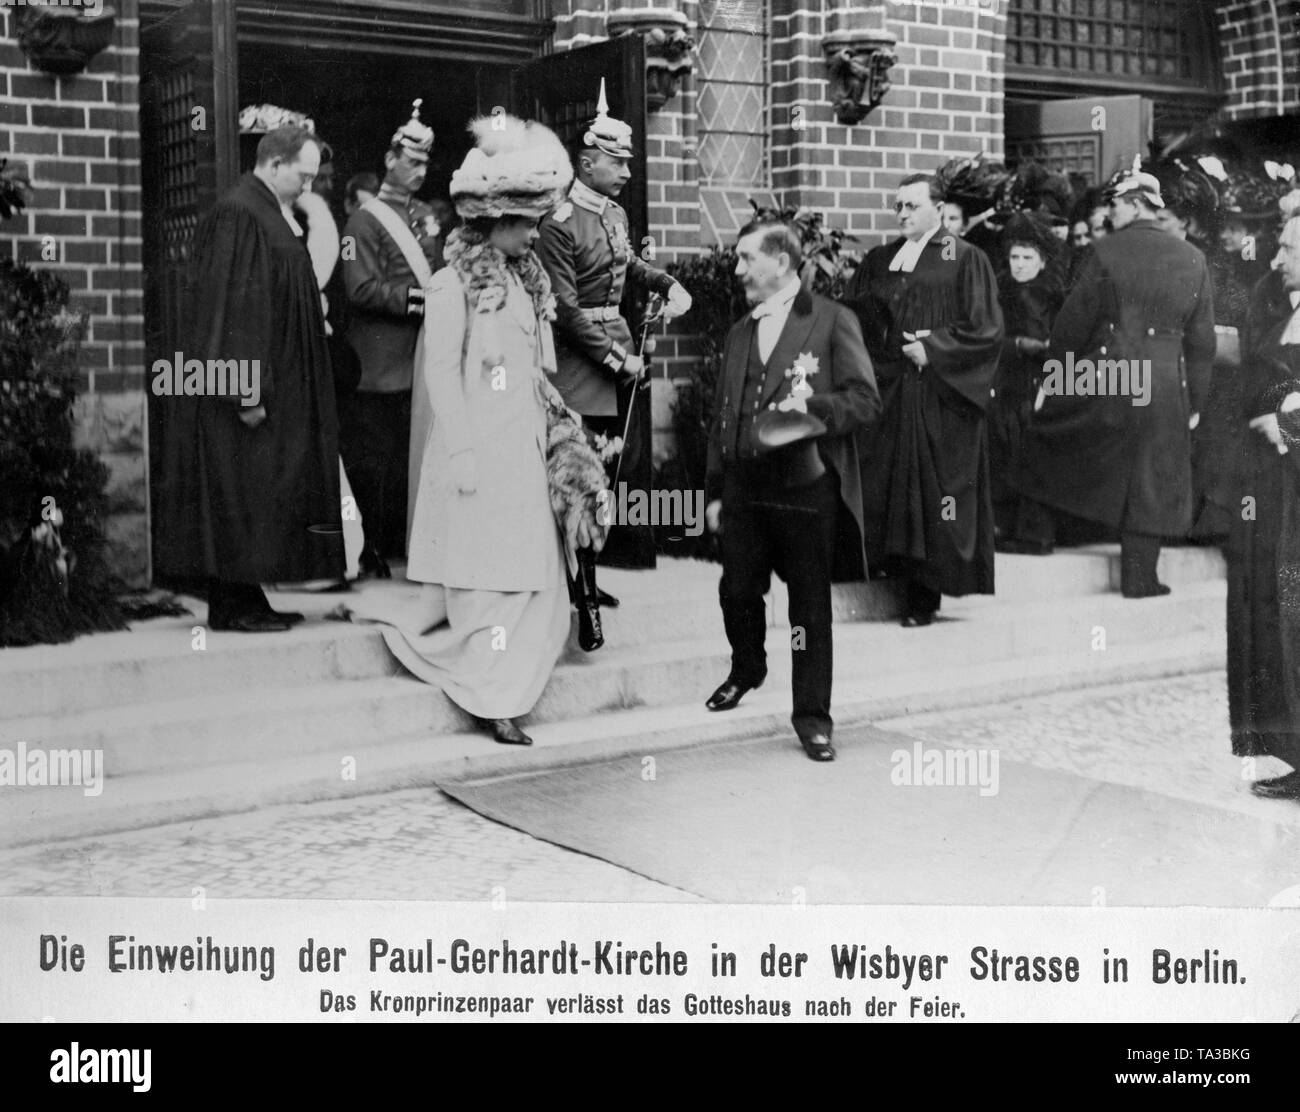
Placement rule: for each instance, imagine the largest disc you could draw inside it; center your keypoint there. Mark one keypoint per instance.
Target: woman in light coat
(493, 612)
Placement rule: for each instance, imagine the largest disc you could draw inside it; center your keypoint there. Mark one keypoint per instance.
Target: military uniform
(386, 303)
(587, 251)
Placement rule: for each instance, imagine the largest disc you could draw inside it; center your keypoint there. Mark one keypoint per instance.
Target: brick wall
(80, 138)
(945, 100)
(1259, 82)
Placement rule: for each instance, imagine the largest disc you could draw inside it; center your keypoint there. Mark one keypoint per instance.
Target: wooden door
(189, 125)
(1093, 136)
(561, 90)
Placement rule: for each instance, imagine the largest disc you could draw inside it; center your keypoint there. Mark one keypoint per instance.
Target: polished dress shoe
(249, 623)
(728, 696)
(915, 621)
(605, 599)
(818, 747)
(1278, 787)
(1154, 591)
(506, 732)
(288, 617)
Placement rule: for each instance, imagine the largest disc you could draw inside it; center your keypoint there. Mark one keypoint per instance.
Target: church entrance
(354, 67)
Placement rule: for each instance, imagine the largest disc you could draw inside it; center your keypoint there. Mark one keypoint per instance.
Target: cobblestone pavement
(1169, 736)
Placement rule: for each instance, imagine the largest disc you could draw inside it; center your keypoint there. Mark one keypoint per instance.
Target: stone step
(411, 760)
(158, 662)
(234, 725)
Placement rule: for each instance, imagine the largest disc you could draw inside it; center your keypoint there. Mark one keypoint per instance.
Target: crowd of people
(1026, 357)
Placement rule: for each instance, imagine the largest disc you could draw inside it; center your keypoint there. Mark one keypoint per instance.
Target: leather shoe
(728, 696)
(818, 747)
(249, 623)
(289, 617)
(915, 621)
(606, 600)
(1155, 591)
(507, 733)
(1278, 787)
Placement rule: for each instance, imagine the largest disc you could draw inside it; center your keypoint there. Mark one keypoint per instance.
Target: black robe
(1264, 545)
(253, 505)
(925, 477)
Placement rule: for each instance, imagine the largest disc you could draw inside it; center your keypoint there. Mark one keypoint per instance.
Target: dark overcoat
(1264, 543)
(1143, 296)
(844, 398)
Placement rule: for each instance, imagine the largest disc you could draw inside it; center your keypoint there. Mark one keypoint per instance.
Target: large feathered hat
(972, 183)
(517, 168)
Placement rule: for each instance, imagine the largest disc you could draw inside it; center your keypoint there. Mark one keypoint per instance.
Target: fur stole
(483, 270)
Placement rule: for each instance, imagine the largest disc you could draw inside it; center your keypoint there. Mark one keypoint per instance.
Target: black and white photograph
(647, 460)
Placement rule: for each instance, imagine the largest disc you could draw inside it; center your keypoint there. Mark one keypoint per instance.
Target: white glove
(679, 302)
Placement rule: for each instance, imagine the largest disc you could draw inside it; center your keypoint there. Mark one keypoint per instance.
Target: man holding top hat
(588, 253)
(784, 478)
(391, 247)
(1119, 452)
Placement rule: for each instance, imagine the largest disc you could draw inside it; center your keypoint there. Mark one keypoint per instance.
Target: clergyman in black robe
(249, 489)
(1264, 541)
(928, 304)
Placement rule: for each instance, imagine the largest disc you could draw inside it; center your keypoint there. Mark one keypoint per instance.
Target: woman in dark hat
(1030, 291)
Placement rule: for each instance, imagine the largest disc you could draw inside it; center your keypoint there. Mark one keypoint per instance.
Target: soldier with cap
(1136, 340)
(391, 247)
(588, 253)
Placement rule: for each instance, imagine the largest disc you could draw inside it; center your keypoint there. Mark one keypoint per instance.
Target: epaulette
(561, 214)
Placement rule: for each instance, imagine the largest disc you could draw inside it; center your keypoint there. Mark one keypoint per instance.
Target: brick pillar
(1260, 80)
(945, 100)
(80, 137)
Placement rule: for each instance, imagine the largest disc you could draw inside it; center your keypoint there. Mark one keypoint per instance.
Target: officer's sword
(654, 311)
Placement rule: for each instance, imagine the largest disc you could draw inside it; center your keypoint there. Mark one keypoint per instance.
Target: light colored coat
(503, 537)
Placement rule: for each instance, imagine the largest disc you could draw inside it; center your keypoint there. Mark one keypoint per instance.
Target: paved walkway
(1170, 737)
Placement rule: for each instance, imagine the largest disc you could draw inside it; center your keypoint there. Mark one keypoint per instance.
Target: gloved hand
(678, 303)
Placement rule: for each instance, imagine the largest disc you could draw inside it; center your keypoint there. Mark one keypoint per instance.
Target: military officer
(589, 255)
(393, 244)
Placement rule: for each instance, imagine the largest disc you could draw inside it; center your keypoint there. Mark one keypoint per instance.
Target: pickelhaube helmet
(415, 136)
(1134, 181)
(607, 134)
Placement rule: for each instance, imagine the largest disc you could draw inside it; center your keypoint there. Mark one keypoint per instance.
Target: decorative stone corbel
(669, 48)
(859, 54)
(63, 40)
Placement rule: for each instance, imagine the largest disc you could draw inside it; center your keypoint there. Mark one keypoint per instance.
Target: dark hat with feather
(974, 183)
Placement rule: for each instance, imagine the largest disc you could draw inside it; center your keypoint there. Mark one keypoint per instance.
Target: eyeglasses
(907, 206)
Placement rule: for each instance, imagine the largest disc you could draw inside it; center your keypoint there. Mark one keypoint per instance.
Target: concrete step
(414, 759)
(234, 725)
(160, 662)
